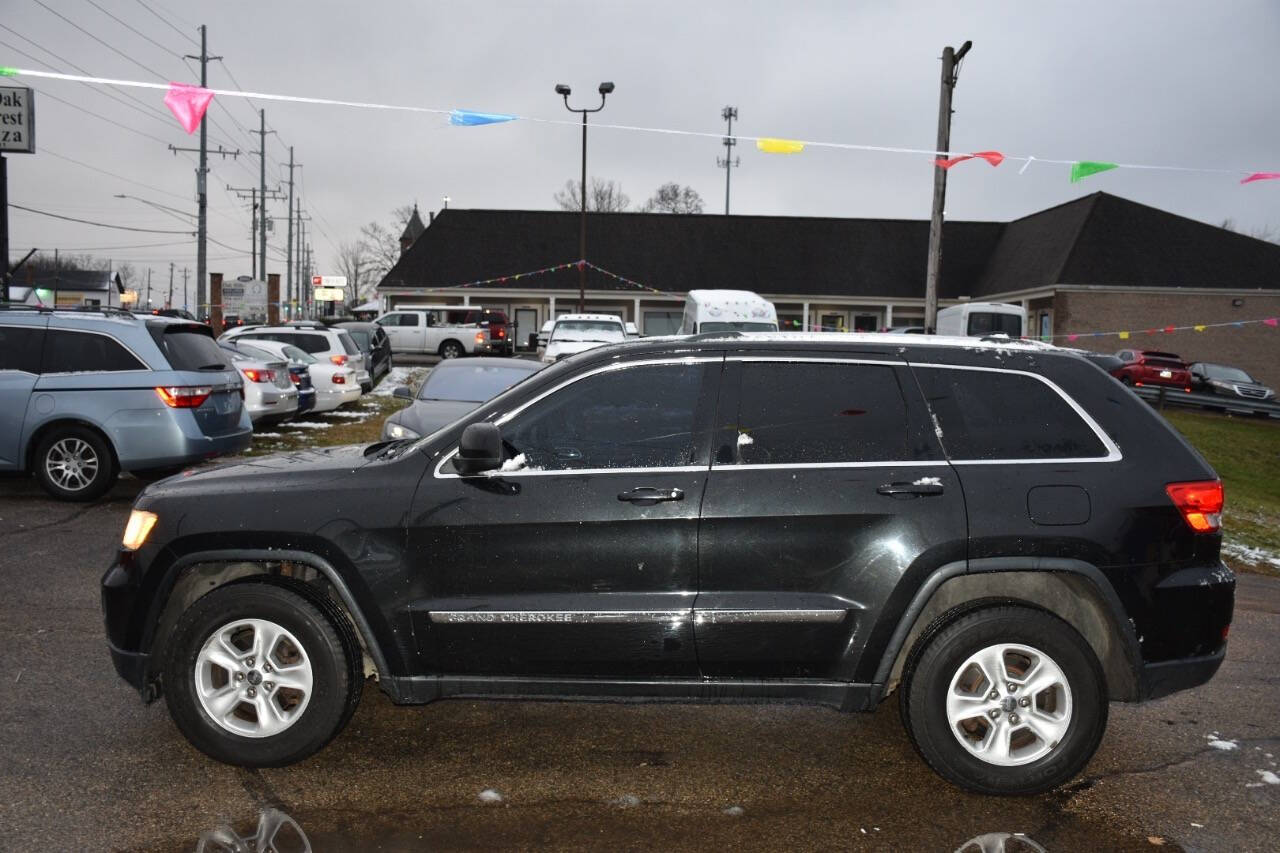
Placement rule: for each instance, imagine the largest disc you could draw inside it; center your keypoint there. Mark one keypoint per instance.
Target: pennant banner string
(761, 141)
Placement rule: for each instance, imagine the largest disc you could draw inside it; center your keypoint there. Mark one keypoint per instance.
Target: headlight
(397, 431)
(138, 529)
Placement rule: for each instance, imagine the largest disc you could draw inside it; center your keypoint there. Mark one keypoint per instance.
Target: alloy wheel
(1009, 704)
(72, 464)
(253, 678)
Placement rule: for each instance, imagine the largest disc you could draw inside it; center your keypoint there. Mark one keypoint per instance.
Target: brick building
(1100, 263)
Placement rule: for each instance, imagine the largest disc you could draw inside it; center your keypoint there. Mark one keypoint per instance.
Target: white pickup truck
(449, 331)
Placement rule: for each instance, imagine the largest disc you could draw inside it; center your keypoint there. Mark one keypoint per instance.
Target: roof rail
(75, 309)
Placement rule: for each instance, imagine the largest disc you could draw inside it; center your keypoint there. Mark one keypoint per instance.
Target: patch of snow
(488, 795)
(266, 435)
(1250, 556)
(628, 801)
(744, 439)
(1268, 777)
(395, 378)
(308, 425)
(937, 427)
(928, 481)
(1197, 825)
(1224, 745)
(734, 811)
(515, 463)
(360, 415)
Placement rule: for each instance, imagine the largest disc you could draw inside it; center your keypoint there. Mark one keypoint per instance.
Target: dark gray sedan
(453, 388)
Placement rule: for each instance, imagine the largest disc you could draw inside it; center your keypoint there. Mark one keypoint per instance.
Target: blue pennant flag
(467, 118)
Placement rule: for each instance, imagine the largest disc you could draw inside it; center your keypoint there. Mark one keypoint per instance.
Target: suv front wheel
(259, 675)
(75, 464)
(1004, 700)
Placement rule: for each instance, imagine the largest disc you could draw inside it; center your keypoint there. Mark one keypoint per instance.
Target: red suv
(1148, 367)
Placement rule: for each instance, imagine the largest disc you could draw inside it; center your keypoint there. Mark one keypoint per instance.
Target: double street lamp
(564, 91)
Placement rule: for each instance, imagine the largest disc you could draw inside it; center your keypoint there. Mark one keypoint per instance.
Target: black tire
(938, 655)
(451, 349)
(322, 633)
(61, 445)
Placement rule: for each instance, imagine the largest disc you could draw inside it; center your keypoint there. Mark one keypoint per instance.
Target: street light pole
(564, 91)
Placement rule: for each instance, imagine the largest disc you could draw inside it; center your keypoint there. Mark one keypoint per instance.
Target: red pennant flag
(1168, 330)
(995, 158)
(187, 103)
(1261, 176)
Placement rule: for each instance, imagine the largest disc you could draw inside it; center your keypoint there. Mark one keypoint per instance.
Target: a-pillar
(273, 299)
(215, 302)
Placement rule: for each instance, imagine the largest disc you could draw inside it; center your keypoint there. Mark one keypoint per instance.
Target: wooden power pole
(950, 70)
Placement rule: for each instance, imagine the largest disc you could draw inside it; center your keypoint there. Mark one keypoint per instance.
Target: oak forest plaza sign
(17, 120)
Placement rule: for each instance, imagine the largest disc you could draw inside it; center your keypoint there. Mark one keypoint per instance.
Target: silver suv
(335, 345)
(86, 394)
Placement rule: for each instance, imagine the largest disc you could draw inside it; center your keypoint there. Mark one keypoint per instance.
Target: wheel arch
(447, 341)
(1073, 590)
(38, 434)
(198, 572)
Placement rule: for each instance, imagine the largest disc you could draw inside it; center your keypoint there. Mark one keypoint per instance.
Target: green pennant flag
(1085, 168)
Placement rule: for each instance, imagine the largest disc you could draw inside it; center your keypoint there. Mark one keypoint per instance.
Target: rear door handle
(912, 489)
(651, 495)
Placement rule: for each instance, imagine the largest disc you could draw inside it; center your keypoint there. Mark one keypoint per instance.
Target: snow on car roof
(609, 318)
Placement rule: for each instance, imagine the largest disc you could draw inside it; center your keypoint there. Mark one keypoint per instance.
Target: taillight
(1200, 504)
(502, 332)
(180, 397)
(338, 359)
(479, 337)
(297, 378)
(339, 379)
(256, 375)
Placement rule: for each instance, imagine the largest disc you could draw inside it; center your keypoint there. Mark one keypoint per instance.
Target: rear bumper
(144, 441)
(1161, 679)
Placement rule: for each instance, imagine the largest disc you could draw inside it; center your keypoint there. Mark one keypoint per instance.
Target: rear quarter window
(67, 351)
(986, 415)
(312, 343)
(348, 345)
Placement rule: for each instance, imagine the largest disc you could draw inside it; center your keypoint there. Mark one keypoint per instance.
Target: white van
(979, 319)
(727, 311)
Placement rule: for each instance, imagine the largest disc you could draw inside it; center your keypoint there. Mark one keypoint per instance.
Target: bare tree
(356, 263)
(602, 196)
(673, 198)
(1270, 233)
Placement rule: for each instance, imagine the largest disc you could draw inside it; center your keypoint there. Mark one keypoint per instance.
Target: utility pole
(168, 303)
(4, 229)
(950, 73)
(729, 162)
(202, 195)
(185, 270)
(288, 243)
(258, 220)
(148, 288)
(262, 185)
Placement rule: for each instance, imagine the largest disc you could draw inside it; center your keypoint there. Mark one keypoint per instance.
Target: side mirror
(480, 449)
(403, 393)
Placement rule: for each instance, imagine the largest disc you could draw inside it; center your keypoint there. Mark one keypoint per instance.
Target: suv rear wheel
(1004, 700)
(259, 675)
(75, 464)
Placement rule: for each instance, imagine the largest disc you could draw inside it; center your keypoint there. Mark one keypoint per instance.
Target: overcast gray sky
(1179, 83)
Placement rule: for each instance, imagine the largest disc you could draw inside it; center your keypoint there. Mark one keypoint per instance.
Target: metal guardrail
(1160, 397)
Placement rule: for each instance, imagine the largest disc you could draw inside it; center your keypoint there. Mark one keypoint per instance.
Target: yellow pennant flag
(1124, 336)
(1199, 328)
(780, 146)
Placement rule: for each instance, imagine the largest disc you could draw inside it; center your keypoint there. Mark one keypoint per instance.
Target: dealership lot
(88, 767)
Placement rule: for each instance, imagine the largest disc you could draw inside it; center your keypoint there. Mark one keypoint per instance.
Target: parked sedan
(335, 385)
(1228, 381)
(1149, 367)
(452, 389)
(269, 395)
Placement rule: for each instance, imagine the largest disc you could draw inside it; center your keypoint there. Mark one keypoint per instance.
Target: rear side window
(348, 345)
(189, 349)
(797, 412)
(310, 343)
(67, 351)
(20, 348)
(988, 415)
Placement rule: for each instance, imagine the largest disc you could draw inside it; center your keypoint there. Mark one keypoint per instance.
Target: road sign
(246, 298)
(329, 294)
(338, 281)
(17, 120)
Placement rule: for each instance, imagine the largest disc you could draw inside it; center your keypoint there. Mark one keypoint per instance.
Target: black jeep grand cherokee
(1000, 532)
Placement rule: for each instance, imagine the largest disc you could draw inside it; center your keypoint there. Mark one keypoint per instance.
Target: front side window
(66, 351)
(801, 412)
(20, 348)
(989, 415)
(636, 417)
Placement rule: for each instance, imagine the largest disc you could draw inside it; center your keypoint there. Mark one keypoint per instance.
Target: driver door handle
(651, 495)
(911, 489)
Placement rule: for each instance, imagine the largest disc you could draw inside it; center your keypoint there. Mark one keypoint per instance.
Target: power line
(107, 45)
(99, 224)
(134, 30)
(112, 174)
(168, 24)
(45, 94)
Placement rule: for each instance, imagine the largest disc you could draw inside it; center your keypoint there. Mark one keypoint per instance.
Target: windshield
(737, 327)
(470, 383)
(254, 352)
(294, 354)
(1226, 374)
(592, 331)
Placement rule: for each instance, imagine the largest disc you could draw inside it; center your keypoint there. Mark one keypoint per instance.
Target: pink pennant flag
(1072, 337)
(1261, 176)
(1272, 321)
(995, 158)
(187, 103)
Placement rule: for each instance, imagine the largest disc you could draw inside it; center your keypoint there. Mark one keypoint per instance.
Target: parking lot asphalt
(87, 767)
